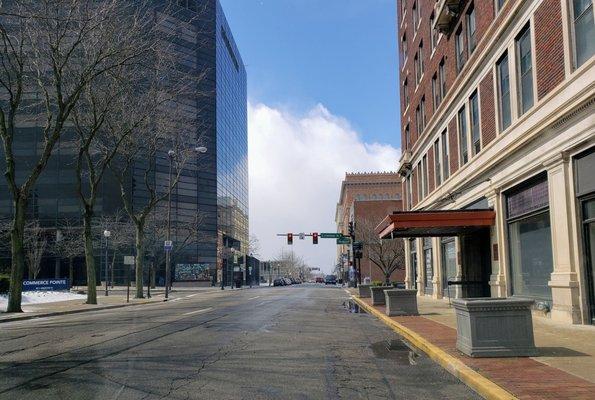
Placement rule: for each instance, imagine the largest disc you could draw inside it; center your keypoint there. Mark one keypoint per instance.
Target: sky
(323, 100)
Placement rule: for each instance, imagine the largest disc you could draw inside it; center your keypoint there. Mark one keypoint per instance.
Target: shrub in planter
(4, 283)
(377, 283)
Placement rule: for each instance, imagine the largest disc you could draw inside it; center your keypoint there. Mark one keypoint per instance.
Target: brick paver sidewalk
(524, 377)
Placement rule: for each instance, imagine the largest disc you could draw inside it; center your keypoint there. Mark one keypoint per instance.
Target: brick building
(498, 101)
(366, 196)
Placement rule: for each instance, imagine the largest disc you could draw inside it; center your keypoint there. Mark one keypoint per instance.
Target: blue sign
(46, 284)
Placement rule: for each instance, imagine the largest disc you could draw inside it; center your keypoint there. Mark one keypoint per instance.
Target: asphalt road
(297, 342)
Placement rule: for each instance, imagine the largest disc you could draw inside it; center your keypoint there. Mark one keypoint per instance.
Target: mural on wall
(192, 272)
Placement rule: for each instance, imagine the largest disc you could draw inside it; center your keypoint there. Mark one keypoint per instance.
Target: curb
(78, 311)
(482, 385)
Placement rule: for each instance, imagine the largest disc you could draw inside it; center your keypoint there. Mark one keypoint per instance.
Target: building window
(415, 15)
(429, 267)
(436, 95)
(442, 79)
(437, 169)
(407, 138)
(449, 261)
(525, 70)
(406, 92)
(409, 193)
(423, 112)
(419, 183)
(433, 33)
(471, 28)
(418, 126)
(445, 161)
(426, 175)
(530, 241)
(417, 68)
(474, 115)
(460, 49)
(419, 63)
(403, 8)
(504, 112)
(584, 30)
(462, 123)
(404, 49)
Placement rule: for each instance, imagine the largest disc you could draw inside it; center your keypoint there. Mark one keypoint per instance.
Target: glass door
(588, 208)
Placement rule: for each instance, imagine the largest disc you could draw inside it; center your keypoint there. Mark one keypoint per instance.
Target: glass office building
(213, 185)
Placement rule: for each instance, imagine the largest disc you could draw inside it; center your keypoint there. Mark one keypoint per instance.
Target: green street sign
(344, 240)
(329, 235)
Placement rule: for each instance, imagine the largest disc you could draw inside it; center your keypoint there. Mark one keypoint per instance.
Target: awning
(434, 223)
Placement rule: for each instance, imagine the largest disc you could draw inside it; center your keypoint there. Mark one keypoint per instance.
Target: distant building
(498, 135)
(366, 196)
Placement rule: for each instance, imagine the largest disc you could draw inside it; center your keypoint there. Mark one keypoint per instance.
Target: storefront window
(413, 247)
(449, 260)
(530, 241)
(428, 264)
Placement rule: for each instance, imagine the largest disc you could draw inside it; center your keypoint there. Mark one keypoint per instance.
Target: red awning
(434, 223)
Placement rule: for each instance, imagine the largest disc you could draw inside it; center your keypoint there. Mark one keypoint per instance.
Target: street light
(107, 234)
(171, 154)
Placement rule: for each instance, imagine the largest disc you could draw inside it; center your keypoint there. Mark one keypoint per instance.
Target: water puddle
(353, 307)
(395, 349)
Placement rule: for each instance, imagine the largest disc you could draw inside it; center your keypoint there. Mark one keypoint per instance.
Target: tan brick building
(366, 196)
(498, 104)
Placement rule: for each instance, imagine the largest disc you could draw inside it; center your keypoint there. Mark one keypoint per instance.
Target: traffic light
(290, 238)
(315, 238)
(351, 230)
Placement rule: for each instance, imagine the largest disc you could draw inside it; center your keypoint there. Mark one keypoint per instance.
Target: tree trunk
(387, 279)
(152, 275)
(112, 269)
(89, 259)
(139, 245)
(18, 256)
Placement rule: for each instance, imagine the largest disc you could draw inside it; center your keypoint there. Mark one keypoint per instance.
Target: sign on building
(46, 284)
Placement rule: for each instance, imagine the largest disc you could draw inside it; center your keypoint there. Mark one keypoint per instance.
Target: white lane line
(198, 311)
(252, 298)
(192, 295)
(347, 291)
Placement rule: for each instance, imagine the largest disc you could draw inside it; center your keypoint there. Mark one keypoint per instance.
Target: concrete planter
(377, 293)
(364, 291)
(495, 327)
(401, 302)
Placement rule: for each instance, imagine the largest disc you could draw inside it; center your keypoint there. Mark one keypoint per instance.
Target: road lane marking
(192, 295)
(198, 311)
(252, 298)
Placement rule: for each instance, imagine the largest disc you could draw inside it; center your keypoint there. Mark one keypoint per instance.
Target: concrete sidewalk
(565, 367)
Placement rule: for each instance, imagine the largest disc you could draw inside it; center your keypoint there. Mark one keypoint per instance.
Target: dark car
(279, 282)
(330, 280)
(319, 280)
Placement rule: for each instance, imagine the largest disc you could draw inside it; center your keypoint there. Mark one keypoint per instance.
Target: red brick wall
(431, 181)
(549, 46)
(488, 116)
(453, 144)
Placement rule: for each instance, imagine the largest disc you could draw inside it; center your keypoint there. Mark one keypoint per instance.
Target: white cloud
(297, 163)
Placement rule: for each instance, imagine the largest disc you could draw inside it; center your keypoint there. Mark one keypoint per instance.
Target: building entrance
(588, 211)
(476, 265)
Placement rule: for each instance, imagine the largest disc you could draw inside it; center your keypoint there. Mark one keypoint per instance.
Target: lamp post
(171, 154)
(57, 265)
(106, 234)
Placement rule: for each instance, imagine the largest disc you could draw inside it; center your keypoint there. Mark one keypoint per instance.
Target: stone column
(458, 289)
(408, 271)
(421, 271)
(564, 281)
(497, 243)
(437, 259)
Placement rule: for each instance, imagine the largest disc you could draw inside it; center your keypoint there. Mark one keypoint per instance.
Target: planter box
(364, 290)
(401, 302)
(377, 293)
(495, 327)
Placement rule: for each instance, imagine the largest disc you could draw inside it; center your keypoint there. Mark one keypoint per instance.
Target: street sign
(168, 245)
(357, 245)
(344, 240)
(330, 235)
(128, 260)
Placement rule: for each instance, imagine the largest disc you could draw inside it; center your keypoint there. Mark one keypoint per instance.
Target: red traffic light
(315, 238)
(290, 238)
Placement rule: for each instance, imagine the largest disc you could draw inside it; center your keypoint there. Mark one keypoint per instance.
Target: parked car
(287, 281)
(330, 280)
(320, 279)
(279, 282)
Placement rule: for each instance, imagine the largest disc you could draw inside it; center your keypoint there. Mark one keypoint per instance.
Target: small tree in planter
(35, 245)
(386, 254)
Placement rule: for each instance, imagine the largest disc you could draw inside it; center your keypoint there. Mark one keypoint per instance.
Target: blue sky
(340, 53)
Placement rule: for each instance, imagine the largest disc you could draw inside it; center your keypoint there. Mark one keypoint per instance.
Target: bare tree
(386, 254)
(254, 246)
(51, 51)
(70, 244)
(121, 237)
(35, 245)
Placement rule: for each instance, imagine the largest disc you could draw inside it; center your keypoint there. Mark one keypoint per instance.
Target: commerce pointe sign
(46, 284)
